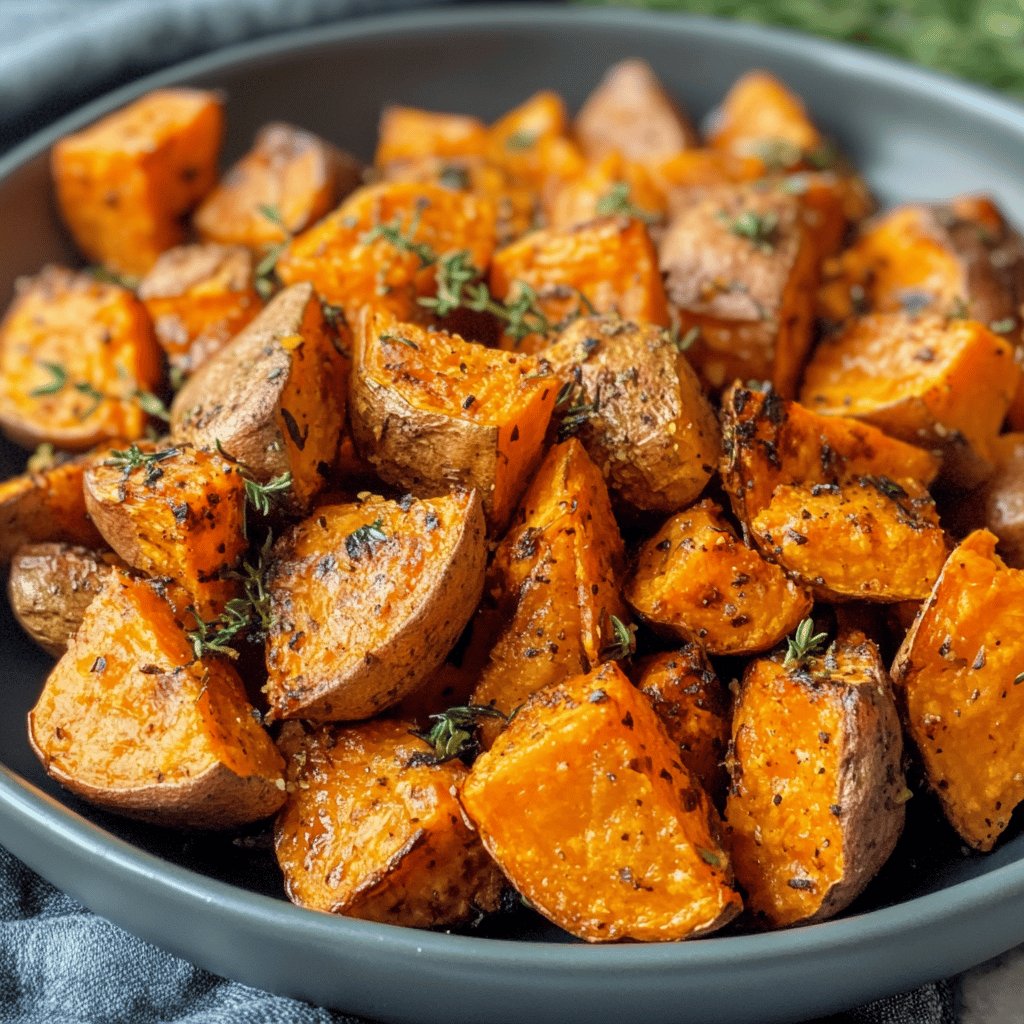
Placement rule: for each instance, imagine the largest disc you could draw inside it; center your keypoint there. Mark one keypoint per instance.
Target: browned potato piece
(273, 399)
(1002, 498)
(741, 271)
(648, 425)
(408, 134)
(367, 600)
(958, 674)
(817, 797)
(630, 113)
(133, 722)
(373, 830)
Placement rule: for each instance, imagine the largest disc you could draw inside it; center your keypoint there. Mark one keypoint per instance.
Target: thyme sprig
(623, 642)
(265, 279)
(402, 239)
(454, 734)
(617, 201)
(758, 228)
(365, 539)
(803, 644)
(261, 496)
(133, 458)
(60, 380)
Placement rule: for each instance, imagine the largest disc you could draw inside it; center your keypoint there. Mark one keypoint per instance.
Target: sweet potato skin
(369, 833)
(640, 859)
(1001, 500)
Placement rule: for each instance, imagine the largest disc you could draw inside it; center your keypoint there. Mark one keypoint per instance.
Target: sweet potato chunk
(367, 600)
(287, 181)
(75, 355)
(611, 185)
(741, 270)
(273, 399)
(131, 721)
(430, 410)
(958, 673)
(817, 797)
(407, 134)
(639, 856)
(380, 246)
(370, 831)
(606, 266)
(695, 579)
(687, 174)
(645, 419)
(631, 113)
(944, 384)
(1002, 498)
(199, 297)
(125, 183)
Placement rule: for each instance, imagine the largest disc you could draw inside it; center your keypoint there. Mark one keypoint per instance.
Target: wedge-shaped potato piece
(741, 270)
(606, 266)
(817, 797)
(199, 297)
(380, 246)
(631, 113)
(273, 400)
(688, 698)
(367, 600)
(373, 830)
(1001, 500)
(611, 185)
(695, 579)
(125, 183)
(637, 858)
(958, 674)
(408, 134)
(430, 410)
(645, 419)
(833, 201)
(131, 721)
(75, 355)
(940, 383)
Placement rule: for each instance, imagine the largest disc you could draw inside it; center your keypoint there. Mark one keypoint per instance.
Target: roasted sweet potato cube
(199, 297)
(631, 113)
(408, 134)
(741, 270)
(373, 830)
(430, 410)
(695, 579)
(958, 675)
(273, 399)
(125, 183)
(286, 182)
(131, 721)
(941, 383)
(639, 857)
(687, 174)
(999, 505)
(832, 200)
(611, 185)
(606, 266)
(642, 414)
(380, 246)
(817, 796)
(75, 355)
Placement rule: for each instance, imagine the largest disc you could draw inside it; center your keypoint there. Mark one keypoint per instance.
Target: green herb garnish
(623, 642)
(803, 644)
(617, 201)
(758, 228)
(365, 539)
(454, 734)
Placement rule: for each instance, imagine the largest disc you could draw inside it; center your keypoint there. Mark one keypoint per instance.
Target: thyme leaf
(617, 201)
(365, 539)
(803, 644)
(454, 734)
(623, 642)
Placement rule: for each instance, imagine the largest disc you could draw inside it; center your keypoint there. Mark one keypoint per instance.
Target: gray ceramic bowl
(933, 912)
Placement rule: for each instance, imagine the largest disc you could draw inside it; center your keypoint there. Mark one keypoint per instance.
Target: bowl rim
(47, 817)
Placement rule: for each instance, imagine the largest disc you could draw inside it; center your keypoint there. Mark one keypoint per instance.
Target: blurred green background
(978, 39)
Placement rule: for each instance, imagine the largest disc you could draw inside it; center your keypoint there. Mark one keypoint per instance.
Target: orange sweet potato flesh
(695, 579)
(132, 722)
(681, 177)
(609, 185)
(957, 674)
(639, 858)
(606, 266)
(369, 833)
(407, 134)
(430, 410)
(817, 796)
(74, 355)
(352, 266)
(199, 297)
(125, 183)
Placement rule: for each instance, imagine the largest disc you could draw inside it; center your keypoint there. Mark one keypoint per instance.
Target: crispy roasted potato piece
(611, 185)
(125, 183)
(940, 383)
(834, 501)
(373, 830)
(430, 410)
(637, 858)
(367, 600)
(606, 266)
(631, 113)
(407, 134)
(695, 579)
(817, 798)
(645, 419)
(131, 721)
(75, 354)
(741, 270)
(199, 297)
(958, 673)
(273, 400)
